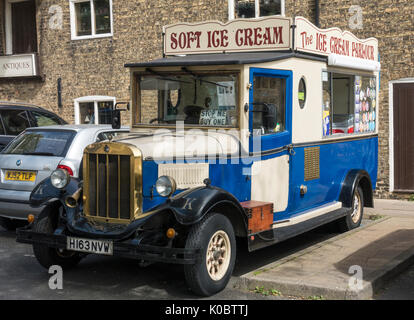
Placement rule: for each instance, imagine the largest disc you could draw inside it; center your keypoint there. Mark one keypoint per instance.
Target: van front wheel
(214, 235)
(48, 257)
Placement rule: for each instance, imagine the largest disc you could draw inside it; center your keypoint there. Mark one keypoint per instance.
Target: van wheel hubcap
(218, 255)
(356, 214)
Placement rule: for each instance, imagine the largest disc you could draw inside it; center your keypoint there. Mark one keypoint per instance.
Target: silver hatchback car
(33, 155)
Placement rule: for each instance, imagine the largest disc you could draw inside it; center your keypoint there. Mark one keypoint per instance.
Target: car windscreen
(53, 143)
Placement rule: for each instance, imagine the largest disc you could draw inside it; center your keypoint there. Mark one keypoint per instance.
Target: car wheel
(47, 256)
(214, 235)
(354, 217)
(10, 224)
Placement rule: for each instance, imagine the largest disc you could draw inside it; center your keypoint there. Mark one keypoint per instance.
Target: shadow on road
(99, 277)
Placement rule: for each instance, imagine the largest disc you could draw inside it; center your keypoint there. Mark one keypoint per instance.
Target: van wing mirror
(116, 114)
(116, 119)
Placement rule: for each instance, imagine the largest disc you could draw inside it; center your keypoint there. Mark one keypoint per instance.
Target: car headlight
(60, 178)
(166, 186)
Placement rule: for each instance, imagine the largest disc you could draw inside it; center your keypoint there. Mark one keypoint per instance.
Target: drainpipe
(317, 13)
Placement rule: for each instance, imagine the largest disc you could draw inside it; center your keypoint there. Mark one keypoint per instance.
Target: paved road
(21, 277)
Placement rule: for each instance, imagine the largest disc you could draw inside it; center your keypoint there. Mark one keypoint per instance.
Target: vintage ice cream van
(257, 129)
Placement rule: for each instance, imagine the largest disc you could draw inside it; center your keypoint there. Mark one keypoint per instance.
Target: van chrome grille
(112, 182)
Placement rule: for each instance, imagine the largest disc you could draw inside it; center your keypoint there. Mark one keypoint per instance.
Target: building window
(20, 23)
(94, 110)
(91, 19)
(349, 104)
(255, 8)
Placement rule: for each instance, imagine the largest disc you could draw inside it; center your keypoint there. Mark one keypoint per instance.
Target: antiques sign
(235, 36)
(311, 39)
(14, 66)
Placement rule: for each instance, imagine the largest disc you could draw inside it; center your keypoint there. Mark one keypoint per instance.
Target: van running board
(286, 231)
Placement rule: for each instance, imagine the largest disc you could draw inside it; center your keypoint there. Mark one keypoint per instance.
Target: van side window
(15, 121)
(269, 105)
(349, 104)
(343, 104)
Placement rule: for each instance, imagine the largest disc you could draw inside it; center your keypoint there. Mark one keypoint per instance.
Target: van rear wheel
(47, 256)
(214, 234)
(353, 219)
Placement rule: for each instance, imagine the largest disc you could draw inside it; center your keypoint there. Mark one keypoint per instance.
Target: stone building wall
(96, 66)
(93, 67)
(304, 8)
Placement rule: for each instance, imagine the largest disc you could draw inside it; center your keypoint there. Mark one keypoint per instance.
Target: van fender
(190, 206)
(45, 192)
(354, 179)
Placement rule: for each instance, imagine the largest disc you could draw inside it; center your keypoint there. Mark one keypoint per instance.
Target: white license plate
(90, 246)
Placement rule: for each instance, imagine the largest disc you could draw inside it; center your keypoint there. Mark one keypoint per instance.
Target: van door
(270, 121)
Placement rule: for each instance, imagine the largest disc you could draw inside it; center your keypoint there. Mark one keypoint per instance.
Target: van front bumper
(126, 249)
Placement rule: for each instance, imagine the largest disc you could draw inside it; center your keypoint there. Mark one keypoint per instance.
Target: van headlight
(60, 178)
(166, 186)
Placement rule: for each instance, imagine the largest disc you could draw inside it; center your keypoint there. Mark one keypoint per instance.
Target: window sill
(91, 37)
(350, 135)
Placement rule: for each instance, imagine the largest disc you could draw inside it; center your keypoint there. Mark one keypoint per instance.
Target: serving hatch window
(206, 100)
(349, 104)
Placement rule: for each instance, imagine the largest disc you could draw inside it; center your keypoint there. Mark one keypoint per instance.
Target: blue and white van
(258, 129)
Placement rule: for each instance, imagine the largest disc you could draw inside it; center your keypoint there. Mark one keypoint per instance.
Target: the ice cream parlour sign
(266, 34)
(309, 38)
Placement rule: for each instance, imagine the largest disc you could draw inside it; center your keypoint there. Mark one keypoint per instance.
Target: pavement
(353, 265)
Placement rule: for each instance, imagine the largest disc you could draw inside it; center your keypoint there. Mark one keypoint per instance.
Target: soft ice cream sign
(309, 38)
(235, 36)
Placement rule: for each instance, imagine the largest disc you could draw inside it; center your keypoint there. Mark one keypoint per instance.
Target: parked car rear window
(53, 143)
(15, 121)
(43, 119)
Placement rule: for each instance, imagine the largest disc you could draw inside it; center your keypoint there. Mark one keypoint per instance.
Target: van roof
(224, 59)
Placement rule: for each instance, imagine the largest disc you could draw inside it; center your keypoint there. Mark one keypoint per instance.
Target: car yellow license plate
(26, 176)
